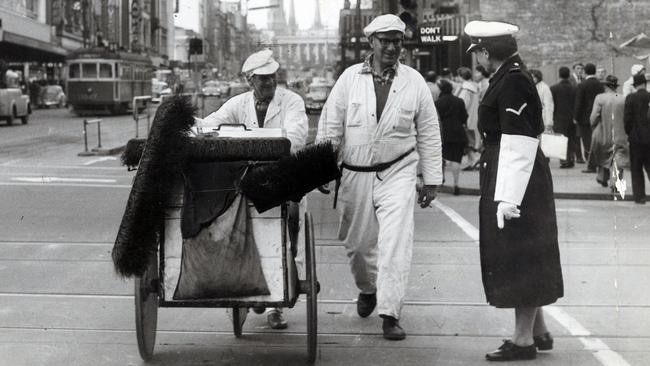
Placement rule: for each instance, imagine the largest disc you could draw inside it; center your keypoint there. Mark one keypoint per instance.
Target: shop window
(105, 70)
(89, 71)
(73, 71)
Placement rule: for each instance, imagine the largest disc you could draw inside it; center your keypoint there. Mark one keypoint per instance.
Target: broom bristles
(292, 177)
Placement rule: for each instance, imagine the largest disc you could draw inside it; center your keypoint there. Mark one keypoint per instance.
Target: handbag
(554, 145)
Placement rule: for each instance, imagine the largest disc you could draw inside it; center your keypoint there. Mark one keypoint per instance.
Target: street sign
(430, 35)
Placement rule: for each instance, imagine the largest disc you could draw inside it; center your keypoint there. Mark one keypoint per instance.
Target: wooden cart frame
(149, 293)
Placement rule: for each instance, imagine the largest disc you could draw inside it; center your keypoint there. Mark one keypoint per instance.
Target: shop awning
(15, 47)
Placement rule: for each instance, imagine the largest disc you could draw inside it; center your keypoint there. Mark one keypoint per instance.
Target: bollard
(85, 133)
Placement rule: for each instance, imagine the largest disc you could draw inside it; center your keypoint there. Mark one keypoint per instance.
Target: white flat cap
(384, 23)
(636, 68)
(482, 32)
(260, 63)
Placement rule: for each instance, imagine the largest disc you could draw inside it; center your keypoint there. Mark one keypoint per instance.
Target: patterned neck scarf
(385, 77)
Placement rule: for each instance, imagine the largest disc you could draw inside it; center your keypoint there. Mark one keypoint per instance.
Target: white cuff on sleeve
(516, 158)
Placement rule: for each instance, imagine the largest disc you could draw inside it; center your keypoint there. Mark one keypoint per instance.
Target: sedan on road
(53, 95)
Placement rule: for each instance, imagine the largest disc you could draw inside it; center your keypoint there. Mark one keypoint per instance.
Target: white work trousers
(377, 230)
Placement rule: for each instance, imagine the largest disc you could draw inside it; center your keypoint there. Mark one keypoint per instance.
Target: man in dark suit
(585, 95)
(578, 74)
(637, 127)
(564, 98)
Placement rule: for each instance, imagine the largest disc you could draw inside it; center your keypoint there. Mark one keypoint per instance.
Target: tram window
(89, 70)
(126, 72)
(73, 71)
(105, 70)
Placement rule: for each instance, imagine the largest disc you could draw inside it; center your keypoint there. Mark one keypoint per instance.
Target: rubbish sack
(222, 260)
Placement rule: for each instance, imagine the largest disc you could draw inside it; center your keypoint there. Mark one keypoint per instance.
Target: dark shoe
(276, 320)
(392, 329)
(456, 191)
(544, 342)
(640, 202)
(366, 304)
(510, 352)
(589, 171)
(567, 166)
(259, 309)
(580, 161)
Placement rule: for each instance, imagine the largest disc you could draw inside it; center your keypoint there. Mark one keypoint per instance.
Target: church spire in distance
(317, 21)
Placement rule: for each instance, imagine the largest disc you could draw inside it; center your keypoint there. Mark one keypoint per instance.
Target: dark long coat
(520, 263)
(585, 95)
(564, 94)
(453, 118)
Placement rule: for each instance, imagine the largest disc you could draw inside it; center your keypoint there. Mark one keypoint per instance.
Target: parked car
(53, 95)
(316, 96)
(13, 103)
(211, 88)
(159, 89)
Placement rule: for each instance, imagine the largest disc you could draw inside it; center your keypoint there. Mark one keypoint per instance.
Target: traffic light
(196, 46)
(409, 16)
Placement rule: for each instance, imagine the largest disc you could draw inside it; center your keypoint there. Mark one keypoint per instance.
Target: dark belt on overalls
(380, 167)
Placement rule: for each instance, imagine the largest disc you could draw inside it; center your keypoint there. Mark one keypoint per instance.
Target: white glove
(508, 211)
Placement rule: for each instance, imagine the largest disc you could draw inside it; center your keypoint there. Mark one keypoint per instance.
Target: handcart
(155, 288)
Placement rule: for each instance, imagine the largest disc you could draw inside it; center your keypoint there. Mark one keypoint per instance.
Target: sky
(305, 9)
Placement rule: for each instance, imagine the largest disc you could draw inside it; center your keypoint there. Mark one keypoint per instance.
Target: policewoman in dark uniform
(520, 261)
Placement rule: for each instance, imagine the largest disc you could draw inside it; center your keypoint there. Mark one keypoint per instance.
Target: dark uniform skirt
(520, 263)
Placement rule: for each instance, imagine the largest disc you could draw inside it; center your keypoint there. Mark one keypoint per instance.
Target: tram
(101, 79)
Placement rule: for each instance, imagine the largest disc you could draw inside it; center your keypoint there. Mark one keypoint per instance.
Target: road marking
(44, 179)
(65, 185)
(97, 160)
(579, 210)
(38, 166)
(464, 225)
(599, 349)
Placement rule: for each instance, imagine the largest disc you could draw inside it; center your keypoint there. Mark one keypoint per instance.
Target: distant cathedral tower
(293, 28)
(317, 21)
(276, 19)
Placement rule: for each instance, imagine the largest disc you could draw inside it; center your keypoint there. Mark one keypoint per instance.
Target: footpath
(568, 183)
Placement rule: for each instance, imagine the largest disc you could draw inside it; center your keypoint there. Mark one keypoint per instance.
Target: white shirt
(548, 106)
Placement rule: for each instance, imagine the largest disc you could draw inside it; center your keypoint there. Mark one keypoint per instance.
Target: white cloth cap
(480, 28)
(636, 68)
(260, 63)
(385, 23)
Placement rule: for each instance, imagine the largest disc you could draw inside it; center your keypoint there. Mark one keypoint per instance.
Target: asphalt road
(62, 304)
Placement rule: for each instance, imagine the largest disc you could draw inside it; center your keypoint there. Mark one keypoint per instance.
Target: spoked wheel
(312, 290)
(146, 308)
(238, 319)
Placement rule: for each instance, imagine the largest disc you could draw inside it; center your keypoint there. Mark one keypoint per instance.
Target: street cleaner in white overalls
(266, 106)
(381, 117)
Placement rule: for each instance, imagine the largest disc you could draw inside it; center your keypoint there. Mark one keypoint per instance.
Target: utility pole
(357, 31)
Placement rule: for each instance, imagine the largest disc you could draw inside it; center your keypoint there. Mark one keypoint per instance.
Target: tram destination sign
(430, 34)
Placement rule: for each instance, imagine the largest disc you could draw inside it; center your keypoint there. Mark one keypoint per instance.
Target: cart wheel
(146, 308)
(312, 292)
(238, 319)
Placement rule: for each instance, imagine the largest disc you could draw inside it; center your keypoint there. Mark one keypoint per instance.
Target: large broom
(291, 177)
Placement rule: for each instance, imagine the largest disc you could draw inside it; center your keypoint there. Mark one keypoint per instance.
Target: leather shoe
(580, 161)
(392, 330)
(566, 166)
(544, 342)
(366, 304)
(259, 309)
(510, 352)
(276, 320)
(589, 171)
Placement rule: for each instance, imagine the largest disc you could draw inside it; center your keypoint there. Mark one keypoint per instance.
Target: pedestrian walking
(608, 110)
(432, 82)
(628, 85)
(637, 127)
(578, 74)
(270, 106)
(520, 261)
(382, 119)
(453, 124)
(563, 100)
(545, 96)
(469, 93)
(584, 103)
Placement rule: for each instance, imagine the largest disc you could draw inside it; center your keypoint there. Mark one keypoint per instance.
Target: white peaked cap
(384, 23)
(486, 29)
(636, 68)
(260, 63)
